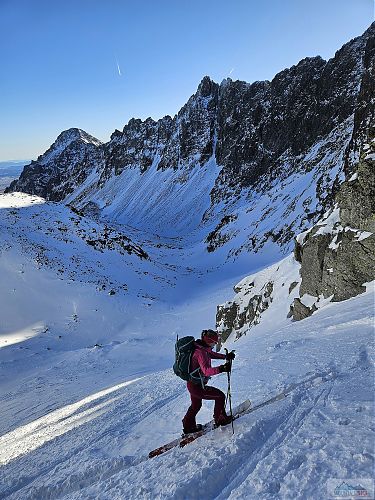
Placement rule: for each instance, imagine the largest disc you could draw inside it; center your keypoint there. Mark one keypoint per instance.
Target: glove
(230, 356)
(224, 368)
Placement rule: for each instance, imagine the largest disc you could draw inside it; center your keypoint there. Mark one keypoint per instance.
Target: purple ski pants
(197, 393)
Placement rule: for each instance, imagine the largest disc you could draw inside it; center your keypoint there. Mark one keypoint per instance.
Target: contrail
(231, 71)
(118, 68)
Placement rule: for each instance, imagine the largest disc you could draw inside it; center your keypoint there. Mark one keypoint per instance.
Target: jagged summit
(207, 87)
(227, 141)
(65, 140)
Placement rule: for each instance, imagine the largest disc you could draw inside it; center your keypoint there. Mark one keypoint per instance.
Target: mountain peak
(76, 134)
(206, 87)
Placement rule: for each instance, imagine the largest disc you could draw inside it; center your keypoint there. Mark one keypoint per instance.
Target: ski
(243, 409)
(189, 438)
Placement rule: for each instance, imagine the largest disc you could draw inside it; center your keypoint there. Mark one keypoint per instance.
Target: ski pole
(230, 361)
(229, 394)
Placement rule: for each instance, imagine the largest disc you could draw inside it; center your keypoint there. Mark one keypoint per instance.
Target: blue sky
(60, 59)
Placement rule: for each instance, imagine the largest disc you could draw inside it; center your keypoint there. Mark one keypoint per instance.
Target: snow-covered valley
(87, 388)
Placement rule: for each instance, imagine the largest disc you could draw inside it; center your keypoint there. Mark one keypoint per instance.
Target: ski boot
(192, 429)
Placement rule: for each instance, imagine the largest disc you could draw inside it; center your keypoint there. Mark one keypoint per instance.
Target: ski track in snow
(286, 447)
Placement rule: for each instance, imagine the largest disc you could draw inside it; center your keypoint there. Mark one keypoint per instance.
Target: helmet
(210, 336)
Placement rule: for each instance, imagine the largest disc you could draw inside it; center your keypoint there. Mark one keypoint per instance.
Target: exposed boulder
(299, 311)
(233, 316)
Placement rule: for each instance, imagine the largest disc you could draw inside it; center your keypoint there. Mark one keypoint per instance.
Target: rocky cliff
(337, 256)
(333, 261)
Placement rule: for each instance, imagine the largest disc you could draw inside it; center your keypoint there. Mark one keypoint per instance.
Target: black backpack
(184, 349)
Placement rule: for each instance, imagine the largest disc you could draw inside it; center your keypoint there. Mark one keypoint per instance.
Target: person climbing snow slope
(201, 371)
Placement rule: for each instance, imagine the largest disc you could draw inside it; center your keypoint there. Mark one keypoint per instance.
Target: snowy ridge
(258, 135)
(64, 140)
(262, 219)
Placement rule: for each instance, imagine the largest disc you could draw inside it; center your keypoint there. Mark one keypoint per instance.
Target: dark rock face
(247, 127)
(352, 265)
(257, 123)
(137, 146)
(341, 272)
(194, 128)
(178, 142)
(356, 198)
(336, 261)
(216, 238)
(312, 262)
(365, 109)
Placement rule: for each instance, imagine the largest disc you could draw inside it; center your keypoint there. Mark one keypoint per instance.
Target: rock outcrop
(333, 260)
(255, 297)
(337, 255)
(233, 317)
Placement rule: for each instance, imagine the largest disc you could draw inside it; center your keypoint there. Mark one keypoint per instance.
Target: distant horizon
(145, 60)
(15, 161)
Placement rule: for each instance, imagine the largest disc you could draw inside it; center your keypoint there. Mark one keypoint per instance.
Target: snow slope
(181, 203)
(169, 202)
(87, 389)
(96, 447)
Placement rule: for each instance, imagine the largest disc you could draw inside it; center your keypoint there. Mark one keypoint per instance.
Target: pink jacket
(202, 359)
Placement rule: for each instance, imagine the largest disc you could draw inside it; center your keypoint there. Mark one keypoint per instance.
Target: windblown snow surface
(87, 390)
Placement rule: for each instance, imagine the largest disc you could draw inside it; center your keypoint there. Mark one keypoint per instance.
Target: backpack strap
(200, 378)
